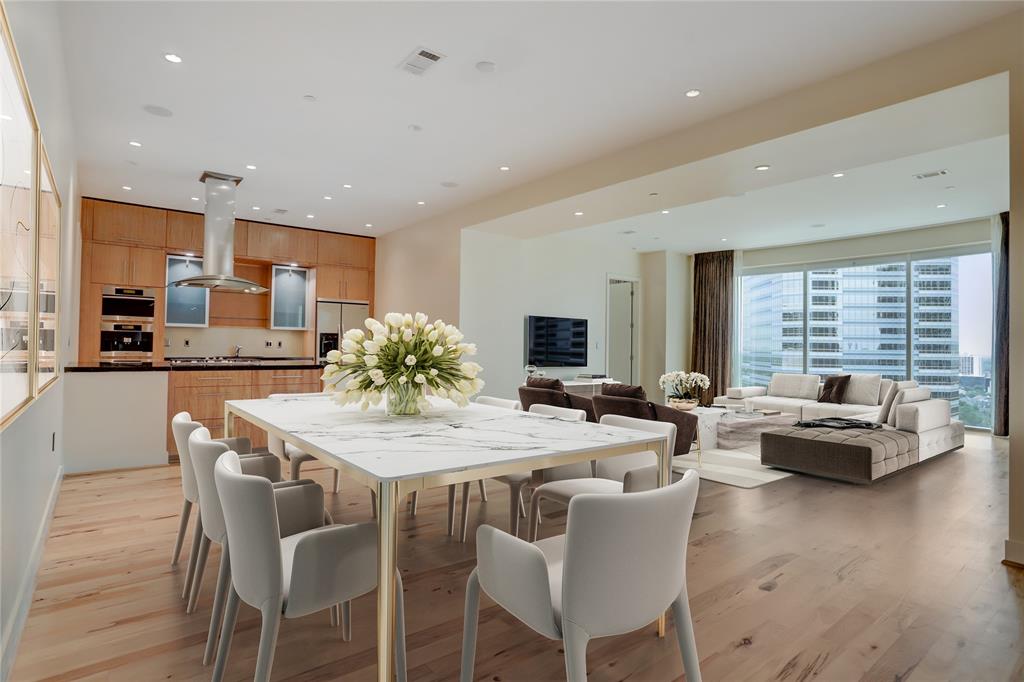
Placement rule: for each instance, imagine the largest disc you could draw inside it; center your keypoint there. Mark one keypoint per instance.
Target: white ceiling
(963, 130)
(574, 81)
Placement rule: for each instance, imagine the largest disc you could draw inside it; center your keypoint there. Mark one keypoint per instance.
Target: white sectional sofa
(798, 394)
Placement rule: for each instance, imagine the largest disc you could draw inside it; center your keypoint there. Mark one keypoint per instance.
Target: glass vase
(403, 400)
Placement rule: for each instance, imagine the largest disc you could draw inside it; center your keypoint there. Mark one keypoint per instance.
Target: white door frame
(609, 277)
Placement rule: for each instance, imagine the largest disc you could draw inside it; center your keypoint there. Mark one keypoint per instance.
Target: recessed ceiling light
(328, 198)
(724, 239)
(155, 110)
(133, 143)
(652, 194)
(189, 254)
(693, 93)
(369, 225)
(664, 212)
(940, 206)
(195, 198)
(818, 225)
(309, 98)
(486, 66)
(249, 166)
(504, 168)
(255, 208)
(762, 167)
(838, 175)
(347, 186)
(578, 213)
(172, 58)
(28, 172)
(950, 186)
(310, 215)
(6, 117)
(126, 188)
(293, 265)
(420, 203)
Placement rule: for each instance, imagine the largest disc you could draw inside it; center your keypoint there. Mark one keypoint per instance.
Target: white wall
(505, 279)
(31, 447)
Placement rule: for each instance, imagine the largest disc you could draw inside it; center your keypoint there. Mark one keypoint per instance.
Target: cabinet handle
(286, 376)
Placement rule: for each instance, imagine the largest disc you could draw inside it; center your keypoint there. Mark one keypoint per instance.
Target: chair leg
(400, 672)
(294, 465)
(451, 510)
(197, 577)
(373, 503)
(346, 621)
(335, 616)
(223, 584)
(464, 525)
(483, 490)
(197, 538)
(186, 511)
(515, 503)
(226, 631)
(268, 641)
(337, 481)
(522, 507)
(470, 622)
(534, 521)
(574, 640)
(684, 633)
(414, 505)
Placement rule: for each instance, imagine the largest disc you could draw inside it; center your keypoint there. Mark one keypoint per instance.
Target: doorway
(623, 330)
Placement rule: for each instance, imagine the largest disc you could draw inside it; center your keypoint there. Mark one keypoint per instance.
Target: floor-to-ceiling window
(854, 319)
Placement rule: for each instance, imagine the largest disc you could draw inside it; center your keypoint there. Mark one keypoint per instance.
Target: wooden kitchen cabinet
(129, 224)
(131, 266)
(241, 238)
(357, 285)
(281, 244)
(184, 232)
(342, 284)
(344, 249)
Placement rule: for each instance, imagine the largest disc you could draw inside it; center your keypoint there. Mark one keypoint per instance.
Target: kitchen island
(118, 415)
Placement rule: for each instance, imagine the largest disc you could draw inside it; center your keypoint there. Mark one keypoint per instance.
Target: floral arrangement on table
(403, 357)
(683, 389)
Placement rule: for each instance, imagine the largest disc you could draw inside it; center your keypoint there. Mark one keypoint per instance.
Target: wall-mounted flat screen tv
(556, 341)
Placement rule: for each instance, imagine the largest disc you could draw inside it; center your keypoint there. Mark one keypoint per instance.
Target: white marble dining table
(443, 446)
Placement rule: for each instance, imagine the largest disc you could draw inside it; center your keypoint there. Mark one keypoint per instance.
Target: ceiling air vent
(419, 60)
(931, 174)
(280, 211)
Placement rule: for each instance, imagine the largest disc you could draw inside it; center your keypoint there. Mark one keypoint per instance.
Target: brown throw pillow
(835, 387)
(545, 382)
(624, 391)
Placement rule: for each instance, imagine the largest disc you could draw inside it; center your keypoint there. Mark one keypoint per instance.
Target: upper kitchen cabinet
(184, 231)
(334, 283)
(288, 298)
(344, 249)
(186, 306)
(128, 224)
(283, 244)
(127, 266)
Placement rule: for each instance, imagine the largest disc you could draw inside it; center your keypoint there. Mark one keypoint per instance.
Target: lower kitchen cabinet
(202, 393)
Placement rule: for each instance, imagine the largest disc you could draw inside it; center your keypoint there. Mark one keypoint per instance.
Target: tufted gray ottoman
(852, 455)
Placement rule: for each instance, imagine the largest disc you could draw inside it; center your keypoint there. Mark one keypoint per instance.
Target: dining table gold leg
(664, 479)
(387, 562)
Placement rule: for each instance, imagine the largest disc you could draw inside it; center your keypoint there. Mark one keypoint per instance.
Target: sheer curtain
(712, 319)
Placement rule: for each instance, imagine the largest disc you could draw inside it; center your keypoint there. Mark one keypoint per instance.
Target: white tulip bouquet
(404, 356)
(684, 385)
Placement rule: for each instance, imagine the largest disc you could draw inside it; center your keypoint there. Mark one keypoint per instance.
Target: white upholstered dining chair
(625, 473)
(182, 427)
(291, 576)
(294, 456)
(619, 566)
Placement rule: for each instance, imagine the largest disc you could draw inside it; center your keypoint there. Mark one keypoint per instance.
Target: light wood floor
(798, 580)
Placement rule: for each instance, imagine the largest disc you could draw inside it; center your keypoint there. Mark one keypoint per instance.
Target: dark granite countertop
(166, 366)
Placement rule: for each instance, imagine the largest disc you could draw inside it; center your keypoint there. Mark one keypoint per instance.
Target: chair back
(205, 451)
(182, 427)
(499, 402)
(530, 396)
(559, 412)
(253, 533)
(564, 471)
(616, 468)
(625, 556)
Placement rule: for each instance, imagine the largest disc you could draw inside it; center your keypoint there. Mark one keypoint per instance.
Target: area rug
(731, 467)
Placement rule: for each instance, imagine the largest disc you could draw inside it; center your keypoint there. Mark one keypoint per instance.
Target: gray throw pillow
(862, 389)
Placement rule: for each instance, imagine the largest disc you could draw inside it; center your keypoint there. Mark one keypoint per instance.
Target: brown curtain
(1001, 335)
(711, 353)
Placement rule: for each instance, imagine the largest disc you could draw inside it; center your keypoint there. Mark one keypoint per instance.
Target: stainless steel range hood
(219, 238)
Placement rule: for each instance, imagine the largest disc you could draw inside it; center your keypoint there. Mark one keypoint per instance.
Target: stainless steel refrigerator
(334, 319)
